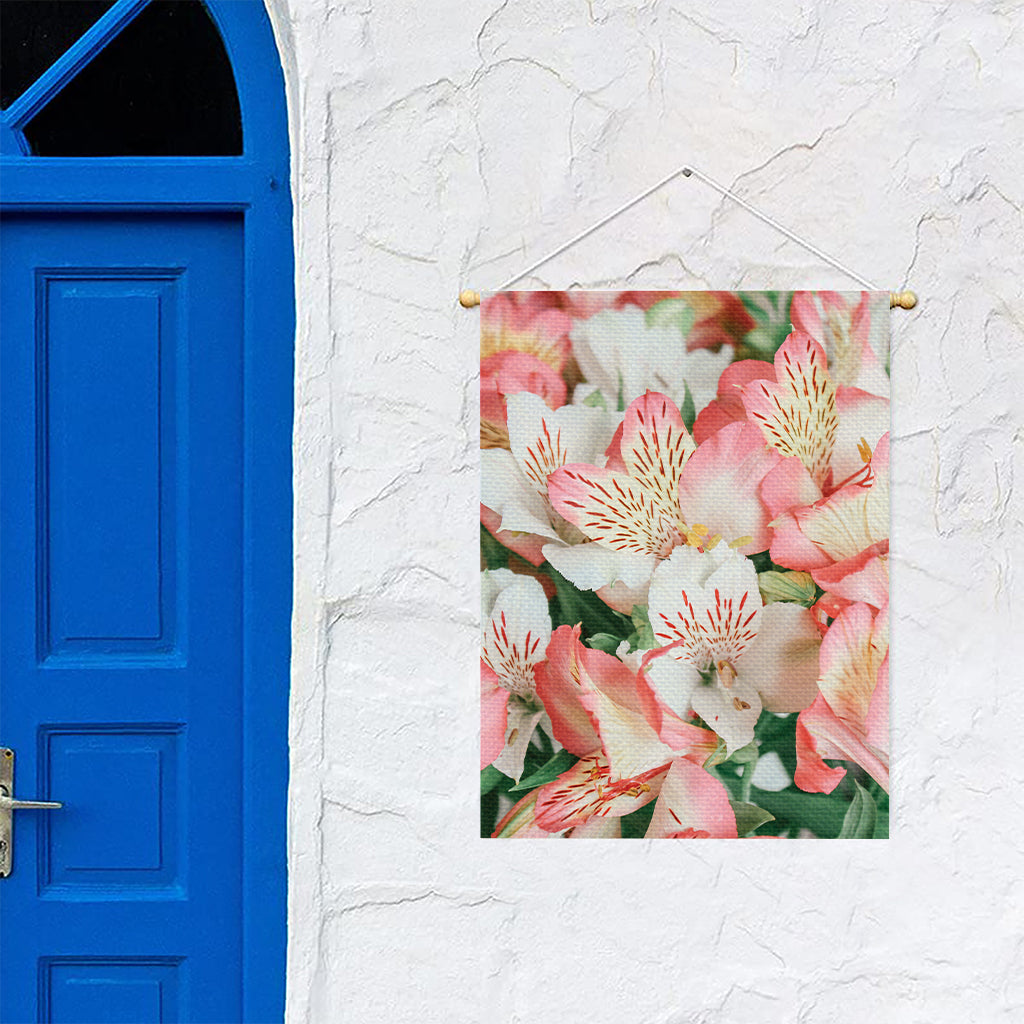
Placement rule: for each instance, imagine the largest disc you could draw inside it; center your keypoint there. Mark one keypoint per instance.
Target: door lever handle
(10, 803)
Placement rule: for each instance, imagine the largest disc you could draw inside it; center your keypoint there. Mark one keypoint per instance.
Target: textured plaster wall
(445, 144)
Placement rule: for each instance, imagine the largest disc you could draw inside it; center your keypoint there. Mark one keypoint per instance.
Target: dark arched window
(94, 78)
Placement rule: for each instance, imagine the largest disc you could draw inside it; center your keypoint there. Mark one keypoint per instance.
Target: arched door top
(118, 95)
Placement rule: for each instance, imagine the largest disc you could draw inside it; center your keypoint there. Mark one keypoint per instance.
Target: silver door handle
(10, 803)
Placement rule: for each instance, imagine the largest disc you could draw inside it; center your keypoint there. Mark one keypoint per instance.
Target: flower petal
(706, 602)
(782, 662)
(862, 416)
(558, 687)
(819, 734)
(506, 323)
(523, 718)
(529, 546)
(591, 566)
(813, 727)
(852, 652)
(510, 372)
(732, 712)
(720, 486)
(878, 710)
(797, 414)
(865, 577)
(598, 828)
(493, 715)
(654, 447)
(847, 522)
(516, 634)
(586, 791)
(505, 490)
(543, 439)
(612, 509)
(692, 805)
(728, 406)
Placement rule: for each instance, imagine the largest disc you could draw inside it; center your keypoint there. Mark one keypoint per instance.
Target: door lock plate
(6, 817)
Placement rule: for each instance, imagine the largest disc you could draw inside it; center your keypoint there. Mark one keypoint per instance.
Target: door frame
(255, 185)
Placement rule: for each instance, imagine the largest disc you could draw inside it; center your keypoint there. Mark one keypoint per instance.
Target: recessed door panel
(116, 991)
(106, 364)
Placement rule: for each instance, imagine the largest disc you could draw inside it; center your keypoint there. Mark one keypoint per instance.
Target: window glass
(162, 87)
(34, 33)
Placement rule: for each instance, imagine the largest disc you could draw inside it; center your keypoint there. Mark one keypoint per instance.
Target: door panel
(120, 615)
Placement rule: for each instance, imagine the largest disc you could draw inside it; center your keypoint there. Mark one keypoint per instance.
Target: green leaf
(793, 808)
(562, 761)
(676, 313)
(572, 606)
(635, 825)
(494, 553)
(604, 642)
(746, 754)
(793, 586)
(688, 410)
(882, 824)
(489, 778)
(596, 400)
(642, 637)
(720, 753)
(859, 822)
(749, 817)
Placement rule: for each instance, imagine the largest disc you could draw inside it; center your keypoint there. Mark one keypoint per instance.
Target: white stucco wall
(446, 144)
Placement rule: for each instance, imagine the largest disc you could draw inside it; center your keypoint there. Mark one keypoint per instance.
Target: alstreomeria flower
(516, 631)
(706, 610)
(658, 491)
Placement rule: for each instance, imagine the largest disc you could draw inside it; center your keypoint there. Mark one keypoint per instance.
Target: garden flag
(684, 552)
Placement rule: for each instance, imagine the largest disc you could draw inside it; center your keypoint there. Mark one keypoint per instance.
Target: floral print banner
(684, 551)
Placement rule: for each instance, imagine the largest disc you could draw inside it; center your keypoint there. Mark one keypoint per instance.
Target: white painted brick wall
(445, 144)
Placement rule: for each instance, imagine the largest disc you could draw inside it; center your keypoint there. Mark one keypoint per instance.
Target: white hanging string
(686, 171)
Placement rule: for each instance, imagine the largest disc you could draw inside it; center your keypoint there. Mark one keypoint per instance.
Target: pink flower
(799, 410)
(507, 373)
(598, 703)
(842, 539)
(691, 804)
(516, 631)
(666, 492)
(509, 325)
(849, 720)
(722, 319)
(514, 482)
(844, 330)
(706, 611)
(523, 347)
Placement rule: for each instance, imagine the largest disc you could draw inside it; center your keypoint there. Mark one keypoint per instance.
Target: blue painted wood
(103, 466)
(125, 990)
(129, 701)
(109, 558)
(96, 183)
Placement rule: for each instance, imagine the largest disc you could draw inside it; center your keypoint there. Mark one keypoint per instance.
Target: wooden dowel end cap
(905, 300)
(468, 298)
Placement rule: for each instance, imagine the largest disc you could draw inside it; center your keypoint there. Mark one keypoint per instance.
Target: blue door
(145, 556)
(120, 557)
